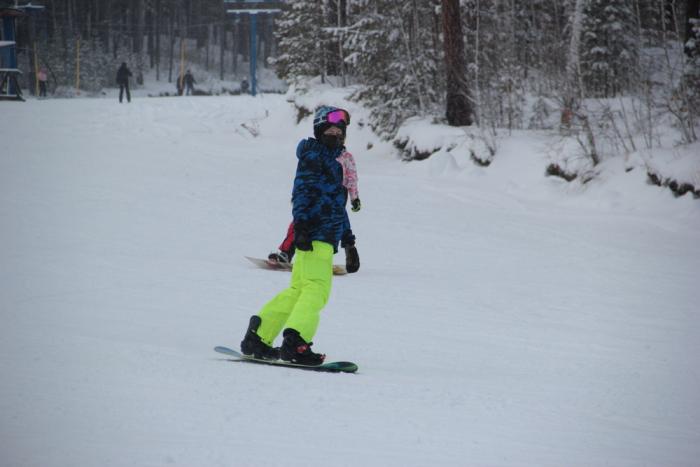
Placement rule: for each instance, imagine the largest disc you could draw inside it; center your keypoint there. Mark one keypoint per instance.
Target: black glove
(352, 259)
(348, 239)
(356, 205)
(302, 239)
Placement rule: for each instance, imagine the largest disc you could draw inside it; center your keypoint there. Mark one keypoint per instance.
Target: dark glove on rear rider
(302, 238)
(352, 259)
(356, 205)
(348, 239)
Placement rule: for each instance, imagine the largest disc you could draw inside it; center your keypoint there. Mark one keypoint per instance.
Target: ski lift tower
(9, 73)
(33, 12)
(252, 8)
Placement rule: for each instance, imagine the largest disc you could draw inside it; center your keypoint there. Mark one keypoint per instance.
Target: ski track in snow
(498, 318)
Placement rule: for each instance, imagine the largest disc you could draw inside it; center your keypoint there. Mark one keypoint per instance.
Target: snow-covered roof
(29, 6)
(6, 43)
(254, 11)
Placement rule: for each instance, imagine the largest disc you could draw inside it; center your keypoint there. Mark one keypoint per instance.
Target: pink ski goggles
(338, 116)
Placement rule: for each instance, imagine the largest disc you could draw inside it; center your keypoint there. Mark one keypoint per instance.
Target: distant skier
(286, 249)
(318, 200)
(123, 75)
(42, 77)
(189, 83)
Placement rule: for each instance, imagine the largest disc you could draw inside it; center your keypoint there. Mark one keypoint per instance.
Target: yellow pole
(77, 73)
(36, 73)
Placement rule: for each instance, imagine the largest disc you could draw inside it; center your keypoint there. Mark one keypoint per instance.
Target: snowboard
(330, 367)
(338, 269)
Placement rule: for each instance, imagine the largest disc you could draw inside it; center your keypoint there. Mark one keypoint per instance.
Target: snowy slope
(498, 318)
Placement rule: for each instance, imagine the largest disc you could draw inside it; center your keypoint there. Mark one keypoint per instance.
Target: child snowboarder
(318, 200)
(285, 251)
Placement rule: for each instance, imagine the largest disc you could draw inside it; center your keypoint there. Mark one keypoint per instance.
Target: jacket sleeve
(306, 192)
(350, 175)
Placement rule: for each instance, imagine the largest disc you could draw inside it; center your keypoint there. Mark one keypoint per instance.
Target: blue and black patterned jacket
(318, 197)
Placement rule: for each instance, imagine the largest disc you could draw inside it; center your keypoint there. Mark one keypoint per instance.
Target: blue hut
(9, 73)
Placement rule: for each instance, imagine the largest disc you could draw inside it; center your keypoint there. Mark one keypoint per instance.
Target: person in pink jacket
(352, 258)
(42, 77)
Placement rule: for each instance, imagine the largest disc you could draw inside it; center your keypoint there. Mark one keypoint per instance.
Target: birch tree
(573, 88)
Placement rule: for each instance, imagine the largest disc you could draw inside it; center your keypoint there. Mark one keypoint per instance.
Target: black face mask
(332, 141)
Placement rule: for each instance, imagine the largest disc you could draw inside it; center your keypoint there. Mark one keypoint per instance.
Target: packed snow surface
(499, 318)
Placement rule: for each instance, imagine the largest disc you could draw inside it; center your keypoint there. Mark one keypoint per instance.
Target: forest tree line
(514, 64)
(520, 57)
(149, 35)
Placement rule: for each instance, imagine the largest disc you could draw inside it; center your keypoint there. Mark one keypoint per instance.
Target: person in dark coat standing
(123, 75)
(189, 82)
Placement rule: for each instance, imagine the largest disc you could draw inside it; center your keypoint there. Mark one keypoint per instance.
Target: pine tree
(96, 69)
(300, 41)
(609, 47)
(393, 52)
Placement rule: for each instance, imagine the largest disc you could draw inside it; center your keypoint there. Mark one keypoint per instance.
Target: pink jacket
(349, 174)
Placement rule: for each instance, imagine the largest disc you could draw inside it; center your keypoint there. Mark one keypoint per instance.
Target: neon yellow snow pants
(299, 305)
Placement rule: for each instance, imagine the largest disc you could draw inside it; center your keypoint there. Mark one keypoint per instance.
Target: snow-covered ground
(499, 317)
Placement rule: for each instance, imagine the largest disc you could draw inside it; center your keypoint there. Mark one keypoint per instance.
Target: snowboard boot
(280, 257)
(252, 345)
(352, 259)
(296, 350)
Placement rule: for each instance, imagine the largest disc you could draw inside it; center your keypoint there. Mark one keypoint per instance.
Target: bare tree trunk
(210, 35)
(459, 110)
(222, 50)
(321, 49)
(409, 37)
(171, 39)
(245, 38)
(140, 26)
(183, 51)
(97, 11)
(342, 23)
(157, 20)
(477, 62)
(106, 21)
(235, 44)
(69, 18)
(573, 72)
(670, 16)
(692, 12)
(573, 92)
(88, 23)
(150, 42)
